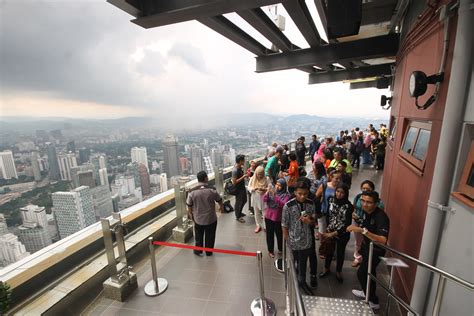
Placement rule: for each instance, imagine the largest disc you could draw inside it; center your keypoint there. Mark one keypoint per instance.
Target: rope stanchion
(262, 306)
(155, 286)
(230, 252)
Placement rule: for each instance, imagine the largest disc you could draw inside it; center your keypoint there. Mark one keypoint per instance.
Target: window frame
(419, 125)
(465, 193)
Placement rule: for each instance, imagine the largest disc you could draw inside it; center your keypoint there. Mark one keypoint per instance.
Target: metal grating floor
(328, 306)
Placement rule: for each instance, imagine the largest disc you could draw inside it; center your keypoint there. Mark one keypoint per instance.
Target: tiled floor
(223, 284)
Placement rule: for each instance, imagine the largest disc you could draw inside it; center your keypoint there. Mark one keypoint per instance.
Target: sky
(85, 59)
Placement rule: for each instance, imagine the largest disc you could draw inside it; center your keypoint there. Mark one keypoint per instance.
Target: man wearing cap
(202, 210)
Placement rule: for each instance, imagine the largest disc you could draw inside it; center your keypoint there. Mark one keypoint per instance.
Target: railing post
(155, 286)
(262, 306)
(389, 287)
(439, 295)
(369, 271)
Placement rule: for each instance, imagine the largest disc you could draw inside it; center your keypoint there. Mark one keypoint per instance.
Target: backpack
(227, 207)
(230, 189)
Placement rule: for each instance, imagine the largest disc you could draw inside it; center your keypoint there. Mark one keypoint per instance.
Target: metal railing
(294, 300)
(443, 276)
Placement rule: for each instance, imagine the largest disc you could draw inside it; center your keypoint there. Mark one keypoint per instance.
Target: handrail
(466, 284)
(290, 274)
(443, 275)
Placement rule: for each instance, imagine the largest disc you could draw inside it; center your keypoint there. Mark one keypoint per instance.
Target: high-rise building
(52, 227)
(127, 202)
(127, 184)
(184, 164)
(196, 159)
(144, 179)
(36, 166)
(102, 201)
(132, 170)
(73, 210)
(11, 249)
(170, 153)
(35, 214)
(139, 156)
(33, 236)
(208, 167)
(163, 182)
(155, 179)
(84, 154)
(115, 201)
(71, 146)
(3, 225)
(83, 175)
(66, 163)
(54, 173)
(99, 162)
(7, 165)
(104, 177)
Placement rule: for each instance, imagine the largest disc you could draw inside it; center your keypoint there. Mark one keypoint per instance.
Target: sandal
(241, 220)
(258, 229)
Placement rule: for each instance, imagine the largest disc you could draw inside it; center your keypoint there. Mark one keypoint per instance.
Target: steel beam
(299, 13)
(377, 11)
(228, 29)
(321, 8)
(374, 47)
(159, 12)
(351, 74)
(125, 6)
(263, 24)
(377, 83)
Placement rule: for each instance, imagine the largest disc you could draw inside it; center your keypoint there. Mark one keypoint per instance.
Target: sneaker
(373, 305)
(358, 293)
(305, 287)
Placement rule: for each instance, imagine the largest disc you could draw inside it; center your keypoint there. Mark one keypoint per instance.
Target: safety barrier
(259, 306)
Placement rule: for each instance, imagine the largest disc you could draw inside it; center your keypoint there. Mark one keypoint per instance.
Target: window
(392, 132)
(466, 183)
(415, 143)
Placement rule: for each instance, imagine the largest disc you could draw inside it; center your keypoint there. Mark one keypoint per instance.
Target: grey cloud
(68, 49)
(152, 64)
(190, 55)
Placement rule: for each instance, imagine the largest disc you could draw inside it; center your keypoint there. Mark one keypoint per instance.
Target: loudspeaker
(344, 17)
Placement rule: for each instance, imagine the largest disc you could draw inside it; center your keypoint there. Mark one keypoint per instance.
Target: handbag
(327, 246)
(230, 189)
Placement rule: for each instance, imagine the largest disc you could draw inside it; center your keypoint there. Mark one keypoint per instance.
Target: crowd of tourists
(302, 207)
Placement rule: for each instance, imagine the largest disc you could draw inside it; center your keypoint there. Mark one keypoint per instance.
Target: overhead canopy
(362, 41)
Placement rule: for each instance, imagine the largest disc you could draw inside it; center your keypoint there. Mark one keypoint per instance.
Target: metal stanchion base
(150, 289)
(279, 265)
(256, 307)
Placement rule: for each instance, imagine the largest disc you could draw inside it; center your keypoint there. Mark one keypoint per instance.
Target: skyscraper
(66, 163)
(102, 201)
(139, 156)
(170, 153)
(71, 146)
(53, 162)
(3, 225)
(163, 182)
(103, 177)
(33, 236)
(11, 249)
(196, 159)
(35, 214)
(84, 154)
(132, 170)
(36, 166)
(144, 179)
(73, 210)
(83, 175)
(7, 165)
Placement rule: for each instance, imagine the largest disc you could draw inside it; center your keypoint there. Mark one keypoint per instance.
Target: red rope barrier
(231, 252)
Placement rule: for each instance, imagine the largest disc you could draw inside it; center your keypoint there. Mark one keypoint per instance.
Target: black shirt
(377, 223)
(237, 173)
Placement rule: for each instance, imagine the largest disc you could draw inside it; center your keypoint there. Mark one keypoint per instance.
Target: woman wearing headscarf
(339, 218)
(258, 186)
(275, 199)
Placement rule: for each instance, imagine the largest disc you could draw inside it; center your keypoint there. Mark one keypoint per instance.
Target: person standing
(201, 203)
(272, 168)
(250, 173)
(298, 217)
(258, 185)
(375, 227)
(238, 180)
(300, 150)
(313, 147)
(293, 172)
(340, 217)
(275, 201)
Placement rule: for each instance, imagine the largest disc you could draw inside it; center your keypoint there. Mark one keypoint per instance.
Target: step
(317, 305)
